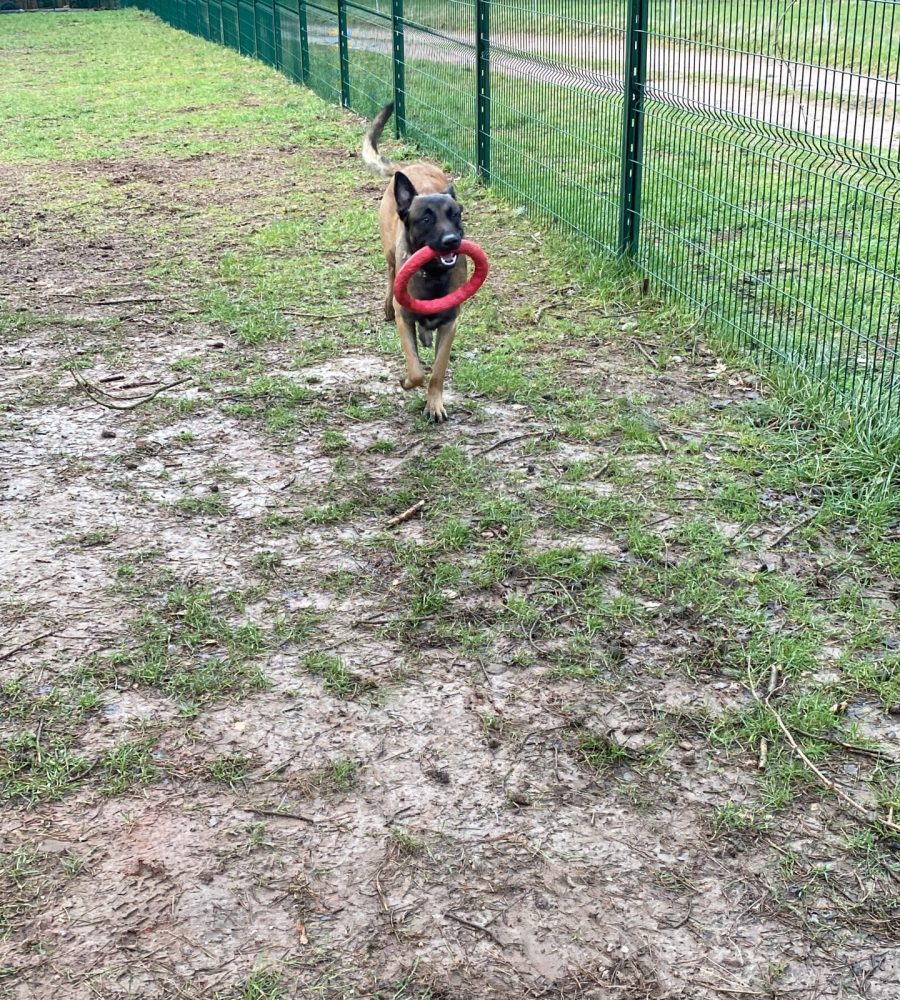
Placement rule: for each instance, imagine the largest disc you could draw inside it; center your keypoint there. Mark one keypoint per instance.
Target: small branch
(114, 403)
(473, 926)
(24, 645)
(652, 360)
(763, 742)
(509, 440)
(315, 315)
(128, 300)
(849, 802)
(407, 515)
(794, 527)
(279, 814)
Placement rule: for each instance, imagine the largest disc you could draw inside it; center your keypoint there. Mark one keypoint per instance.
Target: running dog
(419, 209)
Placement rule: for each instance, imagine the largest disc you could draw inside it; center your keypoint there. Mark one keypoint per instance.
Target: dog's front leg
(434, 405)
(389, 294)
(406, 327)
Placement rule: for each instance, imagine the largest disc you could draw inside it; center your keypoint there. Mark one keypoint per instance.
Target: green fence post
(483, 83)
(344, 53)
(304, 43)
(399, 67)
(633, 126)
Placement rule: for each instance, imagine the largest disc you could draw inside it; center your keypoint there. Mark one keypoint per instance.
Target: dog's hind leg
(407, 330)
(434, 405)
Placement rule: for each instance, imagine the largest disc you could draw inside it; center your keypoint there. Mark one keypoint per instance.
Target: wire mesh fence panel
(214, 32)
(557, 72)
(230, 36)
(203, 19)
(771, 162)
(746, 155)
(370, 55)
(290, 34)
(265, 31)
(440, 79)
(246, 28)
(324, 49)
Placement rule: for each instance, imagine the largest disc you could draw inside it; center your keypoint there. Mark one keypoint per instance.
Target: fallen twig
(407, 515)
(509, 440)
(847, 800)
(24, 645)
(279, 814)
(128, 300)
(473, 926)
(315, 315)
(794, 527)
(763, 742)
(646, 354)
(114, 403)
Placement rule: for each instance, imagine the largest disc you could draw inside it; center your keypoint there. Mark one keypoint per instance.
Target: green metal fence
(744, 153)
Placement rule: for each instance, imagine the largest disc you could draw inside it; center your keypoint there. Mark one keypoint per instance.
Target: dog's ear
(451, 190)
(404, 192)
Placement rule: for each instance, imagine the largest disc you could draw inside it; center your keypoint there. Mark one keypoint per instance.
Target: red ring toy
(429, 307)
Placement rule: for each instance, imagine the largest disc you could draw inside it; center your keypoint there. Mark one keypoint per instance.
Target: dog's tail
(377, 163)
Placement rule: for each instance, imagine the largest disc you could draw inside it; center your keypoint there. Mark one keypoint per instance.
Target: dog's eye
(428, 217)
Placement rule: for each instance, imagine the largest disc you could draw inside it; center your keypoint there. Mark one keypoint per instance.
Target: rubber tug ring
(429, 307)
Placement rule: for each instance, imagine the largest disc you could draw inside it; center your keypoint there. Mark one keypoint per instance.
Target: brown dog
(419, 209)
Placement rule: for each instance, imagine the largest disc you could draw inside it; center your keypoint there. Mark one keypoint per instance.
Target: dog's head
(431, 220)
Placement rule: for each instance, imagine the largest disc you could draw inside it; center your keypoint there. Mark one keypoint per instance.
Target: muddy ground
(258, 742)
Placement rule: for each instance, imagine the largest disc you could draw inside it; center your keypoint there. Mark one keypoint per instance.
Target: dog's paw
(425, 338)
(389, 314)
(412, 383)
(435, 412)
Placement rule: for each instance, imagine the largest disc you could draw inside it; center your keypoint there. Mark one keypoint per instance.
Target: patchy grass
(211, 612)
(187, 648)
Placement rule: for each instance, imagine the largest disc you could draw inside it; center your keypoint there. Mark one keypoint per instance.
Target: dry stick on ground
(407, 515)
(851, 803)
(640, 347)
(316, 315)
(473, 926)
(794, 527)
(24, 645)
(509, 440)
(281, 815)
(763, 742)
(111, 402)
(875, 752)
(128, 300)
